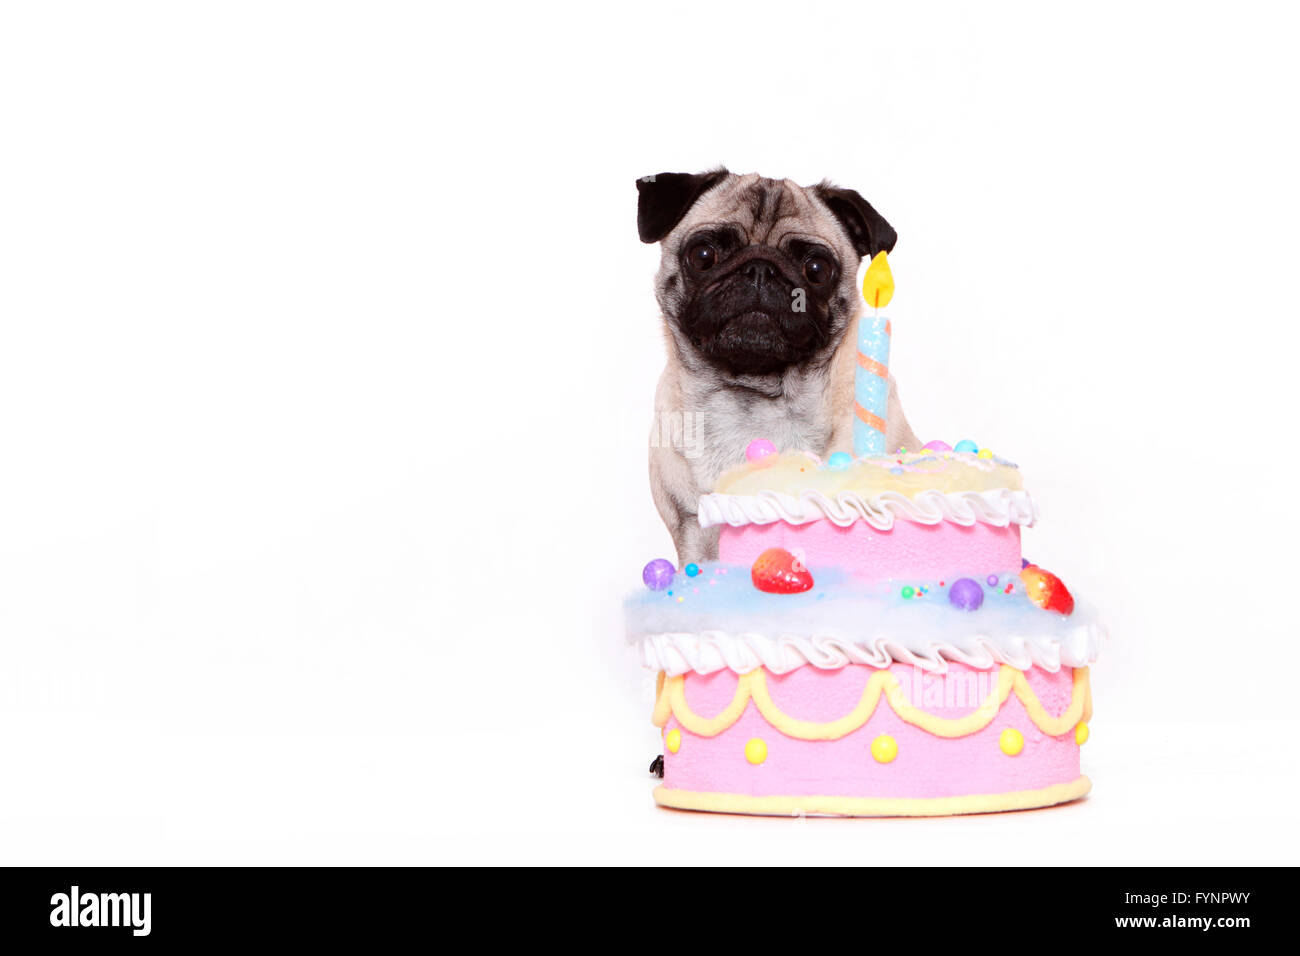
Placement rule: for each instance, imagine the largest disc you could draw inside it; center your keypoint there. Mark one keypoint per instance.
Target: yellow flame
(878, 283)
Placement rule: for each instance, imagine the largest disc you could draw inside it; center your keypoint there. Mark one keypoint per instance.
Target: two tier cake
(870, 642)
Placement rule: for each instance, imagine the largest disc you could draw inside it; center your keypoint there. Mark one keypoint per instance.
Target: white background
(326, 366)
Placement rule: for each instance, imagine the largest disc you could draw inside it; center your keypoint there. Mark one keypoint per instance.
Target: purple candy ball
(966, 594)
(992, 579)
(658, 574)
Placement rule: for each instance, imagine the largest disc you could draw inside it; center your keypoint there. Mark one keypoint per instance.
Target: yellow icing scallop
(908, 473)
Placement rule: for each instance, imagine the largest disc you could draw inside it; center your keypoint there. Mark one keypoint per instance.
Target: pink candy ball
(759, 448)
(937, 445)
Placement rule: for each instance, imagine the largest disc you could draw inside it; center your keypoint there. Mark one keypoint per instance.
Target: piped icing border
(670, 701)
(707, 651)
(999, 508)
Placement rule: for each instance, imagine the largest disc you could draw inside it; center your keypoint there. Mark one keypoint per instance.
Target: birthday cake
(870, 640)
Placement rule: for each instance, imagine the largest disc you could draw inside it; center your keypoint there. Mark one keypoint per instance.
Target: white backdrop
(326, 365)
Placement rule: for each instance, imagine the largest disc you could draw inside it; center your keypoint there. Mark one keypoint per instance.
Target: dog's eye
(702, 256)
(817, 270)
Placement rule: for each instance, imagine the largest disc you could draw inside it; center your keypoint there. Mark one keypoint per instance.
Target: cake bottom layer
(865, 741)
(832, 806)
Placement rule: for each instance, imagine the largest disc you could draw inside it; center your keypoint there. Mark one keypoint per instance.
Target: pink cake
(871, 642)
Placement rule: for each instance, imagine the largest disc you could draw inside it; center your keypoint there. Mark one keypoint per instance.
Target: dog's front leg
(696, 544)
(676, 496)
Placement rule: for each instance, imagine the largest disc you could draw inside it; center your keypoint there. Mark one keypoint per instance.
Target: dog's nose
(758, 271)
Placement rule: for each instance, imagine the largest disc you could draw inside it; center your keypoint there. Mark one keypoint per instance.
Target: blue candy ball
(966, 445)
(966, 594)
(839, 461)
(658, 574)
(692, 569)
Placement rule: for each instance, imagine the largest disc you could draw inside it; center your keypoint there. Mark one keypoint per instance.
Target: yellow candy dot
(984, 453)
(1012, 741)
(1081, 734)
(755, 750)
(884, 748)
(673, 740)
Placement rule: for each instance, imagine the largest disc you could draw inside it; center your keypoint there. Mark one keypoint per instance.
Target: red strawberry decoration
(1047, 590)
(777, 571)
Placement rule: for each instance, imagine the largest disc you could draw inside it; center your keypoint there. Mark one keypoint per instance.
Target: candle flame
(878, 283)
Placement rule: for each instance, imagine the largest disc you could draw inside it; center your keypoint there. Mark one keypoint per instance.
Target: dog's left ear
(867, 228)
(663, 199)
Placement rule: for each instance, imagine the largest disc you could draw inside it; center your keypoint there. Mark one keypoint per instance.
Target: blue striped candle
(871, 386)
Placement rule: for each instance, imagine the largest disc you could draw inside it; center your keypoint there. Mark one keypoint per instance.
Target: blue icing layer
(723, 598)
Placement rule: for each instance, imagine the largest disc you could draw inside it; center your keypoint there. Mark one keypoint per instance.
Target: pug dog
(757, 286)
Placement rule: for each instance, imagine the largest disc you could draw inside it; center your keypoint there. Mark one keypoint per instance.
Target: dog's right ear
(663, 199)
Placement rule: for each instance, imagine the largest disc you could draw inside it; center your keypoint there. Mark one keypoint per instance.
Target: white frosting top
(707, 651)
(999, 507)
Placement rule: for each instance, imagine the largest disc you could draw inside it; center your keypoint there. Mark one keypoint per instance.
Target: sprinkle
(680, 600)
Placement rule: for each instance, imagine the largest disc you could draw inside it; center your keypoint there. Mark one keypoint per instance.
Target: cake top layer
(927, 487)
(908, 473)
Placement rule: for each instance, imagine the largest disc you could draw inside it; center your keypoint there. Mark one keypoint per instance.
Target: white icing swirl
(999, 508)
(708, 651)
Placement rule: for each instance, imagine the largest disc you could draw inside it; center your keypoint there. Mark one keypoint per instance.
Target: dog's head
(757, 275)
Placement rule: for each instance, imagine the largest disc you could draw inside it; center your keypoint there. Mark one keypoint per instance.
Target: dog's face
(757, 275)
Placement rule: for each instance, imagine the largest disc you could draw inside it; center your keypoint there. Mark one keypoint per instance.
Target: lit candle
(871, 382)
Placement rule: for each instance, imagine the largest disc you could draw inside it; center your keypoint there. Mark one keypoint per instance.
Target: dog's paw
(657, 766)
